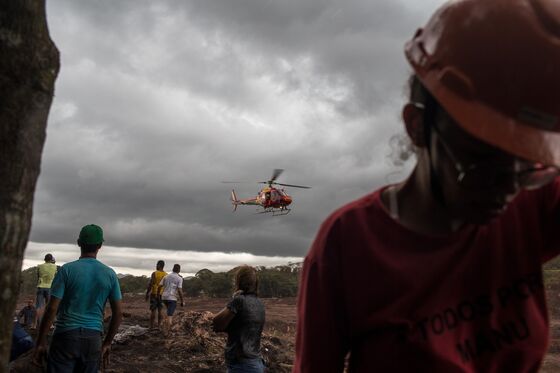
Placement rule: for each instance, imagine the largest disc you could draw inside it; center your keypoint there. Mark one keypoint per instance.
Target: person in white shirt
(172, 286)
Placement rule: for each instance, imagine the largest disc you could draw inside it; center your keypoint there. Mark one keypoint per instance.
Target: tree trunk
(29, 64)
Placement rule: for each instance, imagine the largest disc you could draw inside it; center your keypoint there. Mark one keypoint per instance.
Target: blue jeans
(246, 366)
(76, 350)
(171, 305)
(21, 341)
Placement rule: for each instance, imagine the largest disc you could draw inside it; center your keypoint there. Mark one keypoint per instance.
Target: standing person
(153, 294)
(27, 314)
(243, 320)
(172, 285)
(45, 276)
(79, 293)
(442, 273)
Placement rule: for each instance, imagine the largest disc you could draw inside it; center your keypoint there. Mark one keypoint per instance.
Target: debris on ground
(127, 332)
(192, 346)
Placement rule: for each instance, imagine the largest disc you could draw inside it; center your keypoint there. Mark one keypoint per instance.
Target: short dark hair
(176, 268)
(160, 264)
(89, 248)
(246, 279)
(48, 257)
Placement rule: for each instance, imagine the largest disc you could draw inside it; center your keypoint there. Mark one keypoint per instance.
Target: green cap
(91, 235)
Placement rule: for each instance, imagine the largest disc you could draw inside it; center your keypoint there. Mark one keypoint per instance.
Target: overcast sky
(158, 101)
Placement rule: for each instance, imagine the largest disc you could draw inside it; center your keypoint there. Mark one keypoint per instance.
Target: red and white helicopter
(271, 200)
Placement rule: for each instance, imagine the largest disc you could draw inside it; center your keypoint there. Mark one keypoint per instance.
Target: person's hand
(105, 354)
(40, 354)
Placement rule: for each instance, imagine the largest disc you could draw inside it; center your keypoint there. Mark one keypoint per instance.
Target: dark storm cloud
(157, 102)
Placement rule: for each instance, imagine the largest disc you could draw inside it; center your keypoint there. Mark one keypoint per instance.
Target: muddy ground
(192, 347)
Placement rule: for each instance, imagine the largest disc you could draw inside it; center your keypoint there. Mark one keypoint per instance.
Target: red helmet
(494, 65)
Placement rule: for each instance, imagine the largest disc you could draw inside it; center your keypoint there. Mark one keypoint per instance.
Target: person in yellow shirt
(154, 292)
(45, 276)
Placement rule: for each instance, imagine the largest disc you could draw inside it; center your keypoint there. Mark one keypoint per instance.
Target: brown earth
(192, 346)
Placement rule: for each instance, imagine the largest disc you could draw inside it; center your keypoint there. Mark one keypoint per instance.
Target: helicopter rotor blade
(236, 182)
(277, 172)
(293, 186)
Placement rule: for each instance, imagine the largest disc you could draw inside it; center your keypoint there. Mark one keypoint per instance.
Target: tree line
(274, 282)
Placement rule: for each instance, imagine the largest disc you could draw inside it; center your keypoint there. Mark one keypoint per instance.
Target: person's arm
(115, 298)
(150, 284)
(48, 318)
(160, 287)
(180, 292)
(322, 340)
(222, 320)
(116, 319)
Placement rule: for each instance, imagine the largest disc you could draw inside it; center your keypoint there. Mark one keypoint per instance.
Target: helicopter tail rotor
(234, 200)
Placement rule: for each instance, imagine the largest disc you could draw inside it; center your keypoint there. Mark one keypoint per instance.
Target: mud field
(191, 345)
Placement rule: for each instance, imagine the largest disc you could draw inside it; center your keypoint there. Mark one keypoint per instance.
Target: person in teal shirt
(79, 293)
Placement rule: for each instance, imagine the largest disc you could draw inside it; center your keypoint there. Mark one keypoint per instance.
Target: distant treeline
(274, 282)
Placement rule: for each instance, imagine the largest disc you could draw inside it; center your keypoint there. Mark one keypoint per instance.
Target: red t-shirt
(400, 301)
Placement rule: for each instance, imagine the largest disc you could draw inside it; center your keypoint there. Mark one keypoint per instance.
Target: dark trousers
(76, 350)
(255, 365)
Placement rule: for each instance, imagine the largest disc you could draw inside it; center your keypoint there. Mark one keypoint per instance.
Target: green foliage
(280, 281)
(204, 274)
(28, 280)
(193, 287)
(134, 284)
(220, 285)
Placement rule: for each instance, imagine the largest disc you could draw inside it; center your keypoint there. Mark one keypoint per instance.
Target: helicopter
(270, 200)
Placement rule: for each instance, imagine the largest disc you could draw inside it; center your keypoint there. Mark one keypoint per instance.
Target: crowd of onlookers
(70, 307)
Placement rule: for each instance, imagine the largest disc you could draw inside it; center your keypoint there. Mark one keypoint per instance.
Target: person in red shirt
(442, 272)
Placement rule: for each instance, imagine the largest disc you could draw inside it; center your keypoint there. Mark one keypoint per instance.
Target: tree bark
(29, 64)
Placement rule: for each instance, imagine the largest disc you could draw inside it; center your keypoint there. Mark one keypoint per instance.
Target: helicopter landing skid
(274, 212)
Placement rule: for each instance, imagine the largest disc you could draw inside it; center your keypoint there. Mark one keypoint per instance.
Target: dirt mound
(190, 346)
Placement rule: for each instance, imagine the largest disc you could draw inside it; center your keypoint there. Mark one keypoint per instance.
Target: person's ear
(413, 117)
